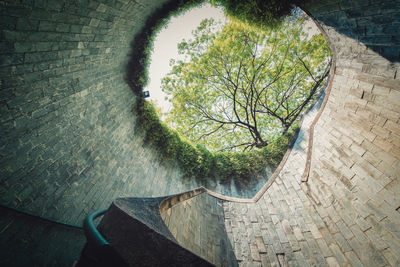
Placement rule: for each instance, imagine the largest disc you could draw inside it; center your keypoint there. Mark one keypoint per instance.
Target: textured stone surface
(136, 231)
(283, 225)
(342, 215)
(69, 145)
(66, 112)
(30, 241)
(198, 225)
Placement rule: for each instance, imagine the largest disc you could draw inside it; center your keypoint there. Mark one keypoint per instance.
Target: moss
(196, 160)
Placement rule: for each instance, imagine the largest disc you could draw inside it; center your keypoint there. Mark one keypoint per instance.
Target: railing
(93, 236)
(98, 251)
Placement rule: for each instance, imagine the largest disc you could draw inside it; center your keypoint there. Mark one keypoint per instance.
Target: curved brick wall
(198, 225)
(347, 213)
(68, 143)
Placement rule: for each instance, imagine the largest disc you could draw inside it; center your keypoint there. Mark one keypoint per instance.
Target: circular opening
(257, 159)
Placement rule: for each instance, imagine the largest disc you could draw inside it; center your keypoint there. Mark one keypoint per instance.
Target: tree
(241, 87)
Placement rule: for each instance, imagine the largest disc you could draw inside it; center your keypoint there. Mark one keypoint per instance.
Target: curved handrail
(92, 234)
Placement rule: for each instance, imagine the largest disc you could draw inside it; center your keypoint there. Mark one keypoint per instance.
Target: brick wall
(68, 143)
(347, 213)
(356, 155)
(198, 225)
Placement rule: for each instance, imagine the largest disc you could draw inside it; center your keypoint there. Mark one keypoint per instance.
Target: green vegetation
(259, 13)
(240, 87)
(256, 12)
(196, 160)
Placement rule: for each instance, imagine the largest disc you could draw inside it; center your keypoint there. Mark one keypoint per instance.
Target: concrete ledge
(170, 201)
(135, 229)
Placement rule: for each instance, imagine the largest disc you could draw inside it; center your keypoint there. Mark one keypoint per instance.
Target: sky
(166, 42)
(166, 47)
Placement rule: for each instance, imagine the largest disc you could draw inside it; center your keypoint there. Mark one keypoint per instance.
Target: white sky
(166, 42)
(166, 47)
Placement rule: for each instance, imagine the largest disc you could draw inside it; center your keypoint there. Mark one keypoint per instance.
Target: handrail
(92, 234)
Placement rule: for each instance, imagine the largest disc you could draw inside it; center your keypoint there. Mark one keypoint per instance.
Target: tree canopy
(239, 87)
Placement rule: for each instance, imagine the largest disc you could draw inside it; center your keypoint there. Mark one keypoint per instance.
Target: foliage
(260, 13)
(194, 160)
(241, 86)
(255, 12)
(142, 44)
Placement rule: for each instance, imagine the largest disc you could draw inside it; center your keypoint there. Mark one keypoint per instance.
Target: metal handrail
(93, 236)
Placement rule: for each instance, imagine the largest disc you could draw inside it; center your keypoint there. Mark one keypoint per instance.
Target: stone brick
(314, 231)
(380, 90)
(254, 253)
(359, 171)
(390, 257)
(375, 239)
(332, 262)
(260, 245)
(341, 242)
(48, 26)
(298, 234)
(392, 126)
(354, 260)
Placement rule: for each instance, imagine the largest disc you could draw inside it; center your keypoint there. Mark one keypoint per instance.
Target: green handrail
(93, 236)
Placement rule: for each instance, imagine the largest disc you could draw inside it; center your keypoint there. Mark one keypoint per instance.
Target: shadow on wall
(377, 27)
(303, 131)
